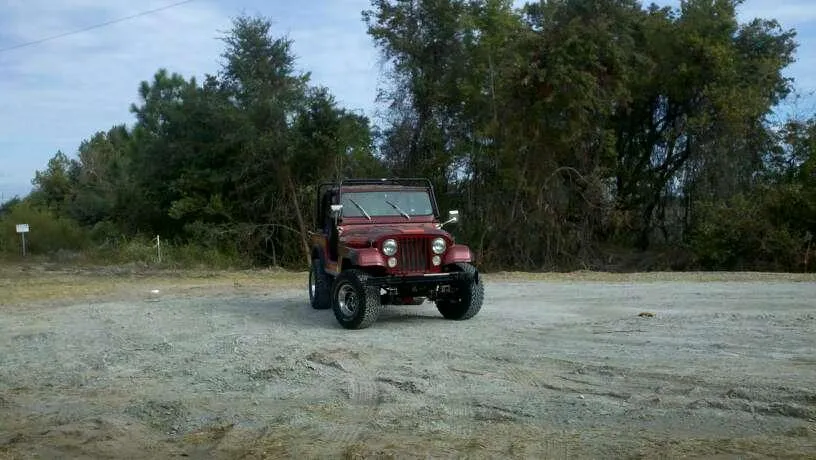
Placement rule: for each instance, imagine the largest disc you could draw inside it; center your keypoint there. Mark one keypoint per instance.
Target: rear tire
(467, 301)
(319, 286)
(356, 305)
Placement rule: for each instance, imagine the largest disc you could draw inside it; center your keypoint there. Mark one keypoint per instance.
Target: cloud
(59, 92)
(790, 13)
(330, 41)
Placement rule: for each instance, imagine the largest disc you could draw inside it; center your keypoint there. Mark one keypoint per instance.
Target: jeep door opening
(381, 242)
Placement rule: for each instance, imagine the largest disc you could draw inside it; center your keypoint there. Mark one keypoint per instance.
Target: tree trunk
(301, 224)
(646, 229)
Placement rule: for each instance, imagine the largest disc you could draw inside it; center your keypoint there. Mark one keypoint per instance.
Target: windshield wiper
(404, 214)
(360, 208)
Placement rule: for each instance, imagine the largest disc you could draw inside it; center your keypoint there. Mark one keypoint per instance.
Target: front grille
(413, 254)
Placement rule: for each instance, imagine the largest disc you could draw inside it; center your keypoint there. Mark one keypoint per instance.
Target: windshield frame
(386, 212)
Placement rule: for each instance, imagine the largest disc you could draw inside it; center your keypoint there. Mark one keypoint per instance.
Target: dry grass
(22, 284)
(26, 283)
(493, 440)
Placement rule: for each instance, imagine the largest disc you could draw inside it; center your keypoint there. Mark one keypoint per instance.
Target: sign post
(22, 229)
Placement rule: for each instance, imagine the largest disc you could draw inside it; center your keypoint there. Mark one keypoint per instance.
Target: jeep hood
(362, 234)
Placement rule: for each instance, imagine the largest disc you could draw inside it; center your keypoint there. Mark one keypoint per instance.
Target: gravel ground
(548, 369)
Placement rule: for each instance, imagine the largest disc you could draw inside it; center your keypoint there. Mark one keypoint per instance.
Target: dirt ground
(237, 365)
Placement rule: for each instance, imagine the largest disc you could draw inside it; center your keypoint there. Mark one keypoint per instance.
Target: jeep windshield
(387, 203)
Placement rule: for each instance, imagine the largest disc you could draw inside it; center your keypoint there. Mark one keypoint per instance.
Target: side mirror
(335, 210)
(453, 217)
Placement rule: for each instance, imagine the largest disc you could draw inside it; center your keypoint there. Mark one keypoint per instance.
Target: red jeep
(380, 242)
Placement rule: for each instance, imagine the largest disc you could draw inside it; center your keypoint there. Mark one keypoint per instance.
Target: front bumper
(423, 279)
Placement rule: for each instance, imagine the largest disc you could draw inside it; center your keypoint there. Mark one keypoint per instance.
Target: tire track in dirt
(515, 375)
(668, 391)
(358, 384)
(458, 411)
(455, 387)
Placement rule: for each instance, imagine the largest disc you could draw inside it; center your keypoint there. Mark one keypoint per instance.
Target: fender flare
(366, 257)
(457, 253)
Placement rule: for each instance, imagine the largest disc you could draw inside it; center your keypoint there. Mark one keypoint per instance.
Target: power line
(95, 26)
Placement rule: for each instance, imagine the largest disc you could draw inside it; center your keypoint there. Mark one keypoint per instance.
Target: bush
(761, 231)
(62, 240)
(49, 232)
(141, 250)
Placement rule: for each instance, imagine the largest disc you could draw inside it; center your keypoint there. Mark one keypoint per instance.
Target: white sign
(22, 228)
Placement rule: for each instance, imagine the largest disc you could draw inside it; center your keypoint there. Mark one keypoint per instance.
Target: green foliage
(142, 250)
(223, 165)
(53, 186)
(62, 239)
(578, 121)
(558, 129)
(759, 231)
(48, 231)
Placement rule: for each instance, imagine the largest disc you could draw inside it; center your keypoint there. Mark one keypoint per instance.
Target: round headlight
(389, 247)
(438, 246)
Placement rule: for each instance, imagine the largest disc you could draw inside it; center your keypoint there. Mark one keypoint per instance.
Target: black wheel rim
(347, 300)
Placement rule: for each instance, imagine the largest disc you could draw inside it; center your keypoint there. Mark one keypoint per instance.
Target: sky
(56, 93)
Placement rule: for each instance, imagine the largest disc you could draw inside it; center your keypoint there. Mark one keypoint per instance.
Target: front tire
(319, 286)
(356, 305)
(467, 301)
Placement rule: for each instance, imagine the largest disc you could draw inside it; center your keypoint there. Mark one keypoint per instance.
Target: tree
(53, 187)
